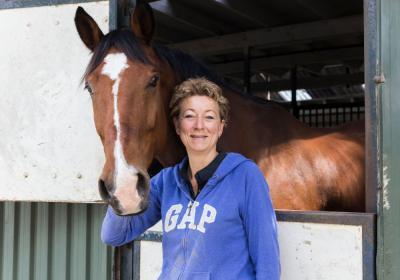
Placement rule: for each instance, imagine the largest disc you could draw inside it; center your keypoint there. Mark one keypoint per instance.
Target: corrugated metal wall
(60, 241)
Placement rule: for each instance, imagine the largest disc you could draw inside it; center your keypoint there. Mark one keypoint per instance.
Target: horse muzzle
(127, 196)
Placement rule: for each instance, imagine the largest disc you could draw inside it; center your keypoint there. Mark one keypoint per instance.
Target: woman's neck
(198, 161)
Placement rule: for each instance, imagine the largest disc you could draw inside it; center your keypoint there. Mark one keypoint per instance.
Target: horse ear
(142, 21)
(88, 29)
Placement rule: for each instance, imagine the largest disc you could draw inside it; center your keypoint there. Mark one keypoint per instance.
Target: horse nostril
(143, 187)
(105, 195)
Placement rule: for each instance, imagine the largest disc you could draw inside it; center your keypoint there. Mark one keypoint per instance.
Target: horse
(131, 80)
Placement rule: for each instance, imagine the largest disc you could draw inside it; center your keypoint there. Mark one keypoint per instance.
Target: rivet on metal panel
(54, 175)
(56, 22)
(79, 176)
(379, 79)
(26, 175)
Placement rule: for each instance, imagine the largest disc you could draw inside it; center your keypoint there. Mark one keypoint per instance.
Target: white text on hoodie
(187, 221)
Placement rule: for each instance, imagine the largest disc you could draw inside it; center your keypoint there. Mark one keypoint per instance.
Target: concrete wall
(49, 149)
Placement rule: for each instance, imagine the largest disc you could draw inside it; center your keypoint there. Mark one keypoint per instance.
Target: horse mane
(123, 40)
(185, 65)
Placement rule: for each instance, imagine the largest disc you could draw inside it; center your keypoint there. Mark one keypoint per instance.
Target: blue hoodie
(228, 232)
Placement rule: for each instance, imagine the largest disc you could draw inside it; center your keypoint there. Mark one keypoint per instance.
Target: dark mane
(186, 66)
(183, 64)
(124, 40)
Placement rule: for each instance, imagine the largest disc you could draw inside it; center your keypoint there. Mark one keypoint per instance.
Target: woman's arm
(118, 230)
(261, 227)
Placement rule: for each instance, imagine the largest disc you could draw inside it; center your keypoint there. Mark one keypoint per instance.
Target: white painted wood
(150, 260)
(309, 251)
(156, 227)
(320, 251)
(49, 149)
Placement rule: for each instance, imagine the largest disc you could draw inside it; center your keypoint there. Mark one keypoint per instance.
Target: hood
(228, 164)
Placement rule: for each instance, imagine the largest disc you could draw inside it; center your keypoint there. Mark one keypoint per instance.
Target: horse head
(130, 88)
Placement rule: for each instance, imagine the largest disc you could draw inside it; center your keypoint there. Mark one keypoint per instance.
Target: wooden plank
(276, 37)
(310, 83)
(181, 16)
(199, 12)
(287, 61)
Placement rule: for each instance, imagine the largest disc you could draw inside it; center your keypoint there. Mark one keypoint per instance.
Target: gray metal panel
(371, 112)
(42, 241)
(388, 103)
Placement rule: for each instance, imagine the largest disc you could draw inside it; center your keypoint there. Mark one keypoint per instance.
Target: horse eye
(154, 80)
(89, 89)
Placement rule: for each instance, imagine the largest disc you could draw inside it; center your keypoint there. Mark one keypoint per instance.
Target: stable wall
(49, 149)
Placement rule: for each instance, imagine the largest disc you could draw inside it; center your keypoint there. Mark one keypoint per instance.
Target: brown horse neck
(169, 149)
(256, 128)
(172, 150)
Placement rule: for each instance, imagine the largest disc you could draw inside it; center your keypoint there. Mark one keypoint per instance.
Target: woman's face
(199, 124)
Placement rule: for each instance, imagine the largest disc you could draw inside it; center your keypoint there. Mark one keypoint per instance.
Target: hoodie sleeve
(119, 230)
(260, 224)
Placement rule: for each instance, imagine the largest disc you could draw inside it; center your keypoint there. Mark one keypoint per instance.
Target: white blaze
(125, 174)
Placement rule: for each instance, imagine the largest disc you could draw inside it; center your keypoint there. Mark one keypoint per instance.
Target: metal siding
(42, 241)
(388, 93)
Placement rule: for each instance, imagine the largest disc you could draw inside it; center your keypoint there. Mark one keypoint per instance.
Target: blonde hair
(201, 87)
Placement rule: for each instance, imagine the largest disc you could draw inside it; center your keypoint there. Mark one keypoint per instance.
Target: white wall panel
(320, 251)
(150, 260)
(49, 149)
(309, 251)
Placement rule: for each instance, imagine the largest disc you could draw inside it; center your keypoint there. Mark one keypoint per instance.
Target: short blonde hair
(201, 87)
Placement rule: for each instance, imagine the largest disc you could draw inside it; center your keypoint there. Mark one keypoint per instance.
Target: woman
(218, 220)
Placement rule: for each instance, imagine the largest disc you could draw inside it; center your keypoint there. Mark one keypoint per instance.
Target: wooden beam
(310, 83)
(180, 16)
(254, 12)
(288, 61)
(275, 37)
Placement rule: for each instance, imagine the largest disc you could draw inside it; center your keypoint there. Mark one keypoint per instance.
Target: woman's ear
(221, 129)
